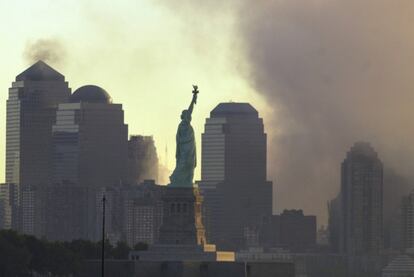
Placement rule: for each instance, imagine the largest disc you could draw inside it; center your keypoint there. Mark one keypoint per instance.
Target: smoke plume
(48, 50)
(334, 72)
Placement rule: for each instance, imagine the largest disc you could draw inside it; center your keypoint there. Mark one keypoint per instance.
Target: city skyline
(323, 74)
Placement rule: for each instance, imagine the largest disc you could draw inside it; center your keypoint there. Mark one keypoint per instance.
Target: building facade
(8, 206)
(407, 220)
(361, 230)
(90, 146)
(31, 108)
(143, 213)
(134, 213)
(233, 182)
(334, 223)
(291, 230)
(65, 211)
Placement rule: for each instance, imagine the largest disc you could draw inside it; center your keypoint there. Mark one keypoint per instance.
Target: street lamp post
(103, 237)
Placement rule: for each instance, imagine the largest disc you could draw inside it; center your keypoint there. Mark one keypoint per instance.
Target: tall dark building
(361, 230)
(334, 222)
(90, 146)
(31, 110)
(142, 159)
(233, 172)
(407, 220)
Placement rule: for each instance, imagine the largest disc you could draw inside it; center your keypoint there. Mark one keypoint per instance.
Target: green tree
(14, 258)
(37, 249)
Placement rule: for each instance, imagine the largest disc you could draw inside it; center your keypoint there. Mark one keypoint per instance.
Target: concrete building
(31, 109)
(334, 222)
(361, 230)
(407, 220)
(32, 210)
(8, 206)
(291, 230)
(233, 174)
(401, 266)
(90, 146)
(133, 212)
(142, 159)
(143, 213)
(65, 211)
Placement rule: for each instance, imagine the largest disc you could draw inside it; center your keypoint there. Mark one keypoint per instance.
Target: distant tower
(142, 159)
(31, 110)
(90, 146)
(233, 173)
(407, 211)
(334, 224)
(361, 230)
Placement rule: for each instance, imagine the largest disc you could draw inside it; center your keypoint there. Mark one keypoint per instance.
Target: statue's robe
(185, 156)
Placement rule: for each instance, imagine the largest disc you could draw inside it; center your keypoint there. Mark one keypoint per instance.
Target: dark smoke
(48, 50)
(335, 72)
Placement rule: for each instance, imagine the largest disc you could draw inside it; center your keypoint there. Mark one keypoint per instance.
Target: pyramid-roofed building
(40, 71)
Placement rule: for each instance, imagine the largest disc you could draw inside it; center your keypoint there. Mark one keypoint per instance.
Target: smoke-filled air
(333, 72)
(49, 50)
(322, 73)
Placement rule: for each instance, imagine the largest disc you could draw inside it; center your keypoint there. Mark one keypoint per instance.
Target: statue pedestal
(182, 221)
(182, 234)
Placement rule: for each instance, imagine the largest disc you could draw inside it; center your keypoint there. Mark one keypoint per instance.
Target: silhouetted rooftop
(40, 71)
(231, 108)
(90, 94)
(364, 149)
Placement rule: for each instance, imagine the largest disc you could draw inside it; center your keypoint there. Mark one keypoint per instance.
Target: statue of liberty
(185, 154)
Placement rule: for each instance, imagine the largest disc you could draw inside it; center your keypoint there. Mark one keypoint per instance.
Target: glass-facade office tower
(31, 110)
(90, 146)
(233, 174)
(361, 230)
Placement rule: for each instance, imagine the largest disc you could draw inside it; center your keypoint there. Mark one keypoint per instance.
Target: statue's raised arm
(185, 153)
(194, 100)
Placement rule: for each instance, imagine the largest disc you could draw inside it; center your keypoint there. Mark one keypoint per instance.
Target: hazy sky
(322, 73)
(144, 54)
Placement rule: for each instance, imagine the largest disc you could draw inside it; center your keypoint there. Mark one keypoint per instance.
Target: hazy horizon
(322, 74)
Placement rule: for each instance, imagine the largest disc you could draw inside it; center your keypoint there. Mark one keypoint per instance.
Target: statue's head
(186, 116)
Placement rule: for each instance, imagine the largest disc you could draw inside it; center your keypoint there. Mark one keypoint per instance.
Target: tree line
(24, 255)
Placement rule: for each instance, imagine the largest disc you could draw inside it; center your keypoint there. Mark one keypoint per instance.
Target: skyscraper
(90, 145)
(8, 206)
(361, 230)
(334, 223)
(407, 220)
(31, 109)
(233, 174)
